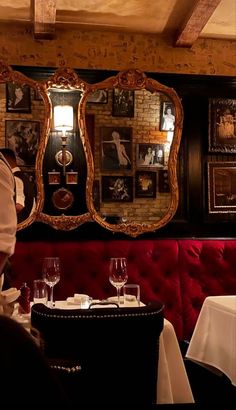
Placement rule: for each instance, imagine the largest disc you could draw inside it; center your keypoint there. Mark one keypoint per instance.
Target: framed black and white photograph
(71, 178)
(167, 117)
(222, 187)
(222, 125)
(123, 103)
(145, 184)
(54, 178)
(117, 189)
(116, 148)
(18, 98)
(98, 97)
(23, 138)
(150, 155)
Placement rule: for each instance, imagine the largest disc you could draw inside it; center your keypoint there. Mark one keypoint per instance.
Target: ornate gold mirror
(64, 163)
(132, 187)
(23, 124)
(105, 152)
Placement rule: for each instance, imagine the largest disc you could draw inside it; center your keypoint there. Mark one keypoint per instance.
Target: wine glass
(51, 274)
(118, 274)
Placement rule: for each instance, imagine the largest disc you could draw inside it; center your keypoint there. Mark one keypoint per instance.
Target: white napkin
(8, 296)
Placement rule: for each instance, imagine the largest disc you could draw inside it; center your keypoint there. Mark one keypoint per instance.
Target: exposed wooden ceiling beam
(196, 21)
(44, 16)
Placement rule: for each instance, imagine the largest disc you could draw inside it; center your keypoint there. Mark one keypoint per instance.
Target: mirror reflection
(105, 152)
(22, 115)
(136, 137)
(64, 161)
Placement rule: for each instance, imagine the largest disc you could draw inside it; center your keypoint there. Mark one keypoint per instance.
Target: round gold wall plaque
(68, 158)
(62, 198)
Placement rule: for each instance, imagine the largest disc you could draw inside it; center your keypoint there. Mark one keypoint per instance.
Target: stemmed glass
(51, 271)
(118, 274)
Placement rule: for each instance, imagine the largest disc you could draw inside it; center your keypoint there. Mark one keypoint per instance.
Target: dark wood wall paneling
(192, 218)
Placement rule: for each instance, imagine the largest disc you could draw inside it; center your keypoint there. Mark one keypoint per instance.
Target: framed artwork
(163, 181)
(222, 125)
(150, 155)
(123, 103)
(167, 117)
(54, 178)
(23, 138)
(18, 98)
(98, 97)
(145, 184)
(71, 178)
(116, 148)
(117, 189)
(222, 187)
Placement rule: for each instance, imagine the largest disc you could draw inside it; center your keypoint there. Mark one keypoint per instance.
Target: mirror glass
(64, 164)
(22, 124)
(137, 129)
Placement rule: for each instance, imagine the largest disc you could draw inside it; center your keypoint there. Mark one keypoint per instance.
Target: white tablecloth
(214, 338)
(172, 384)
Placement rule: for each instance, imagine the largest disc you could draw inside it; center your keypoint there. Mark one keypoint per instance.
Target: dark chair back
(117, 349)
(26, 378)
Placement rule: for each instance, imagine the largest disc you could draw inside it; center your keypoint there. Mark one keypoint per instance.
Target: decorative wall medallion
(62, 198)
(68, 158)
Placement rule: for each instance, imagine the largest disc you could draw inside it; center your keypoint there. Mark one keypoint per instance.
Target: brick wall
(116, 51)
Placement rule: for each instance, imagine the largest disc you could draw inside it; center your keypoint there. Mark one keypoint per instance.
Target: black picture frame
(117, 188)
(123, 103)
(222, 125)
(145, 184)
(23, 138)
(18, 99)
(150, 155)
(98, 97)
(167, 117)
(116, 148)
(221, 187)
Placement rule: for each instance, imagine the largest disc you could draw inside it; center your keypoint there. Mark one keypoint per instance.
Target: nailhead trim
(96, 316)
(67, 369)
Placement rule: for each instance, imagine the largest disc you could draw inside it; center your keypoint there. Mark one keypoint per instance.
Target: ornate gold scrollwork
(145, 212)
(144, 207)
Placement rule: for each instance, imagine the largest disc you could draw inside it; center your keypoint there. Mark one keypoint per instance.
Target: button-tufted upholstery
(180, 273)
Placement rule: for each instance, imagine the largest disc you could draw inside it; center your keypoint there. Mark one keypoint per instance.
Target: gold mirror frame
(63, 79)
(136, 80)
(8, 75)
(67, 79)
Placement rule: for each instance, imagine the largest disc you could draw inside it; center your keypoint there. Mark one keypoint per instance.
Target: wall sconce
(63, 121)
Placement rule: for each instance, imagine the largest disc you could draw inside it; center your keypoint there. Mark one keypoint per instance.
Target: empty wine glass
(51, 274)
(118, 274)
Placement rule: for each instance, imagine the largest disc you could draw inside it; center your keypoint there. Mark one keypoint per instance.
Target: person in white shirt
(8, 219)
(20, 196)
